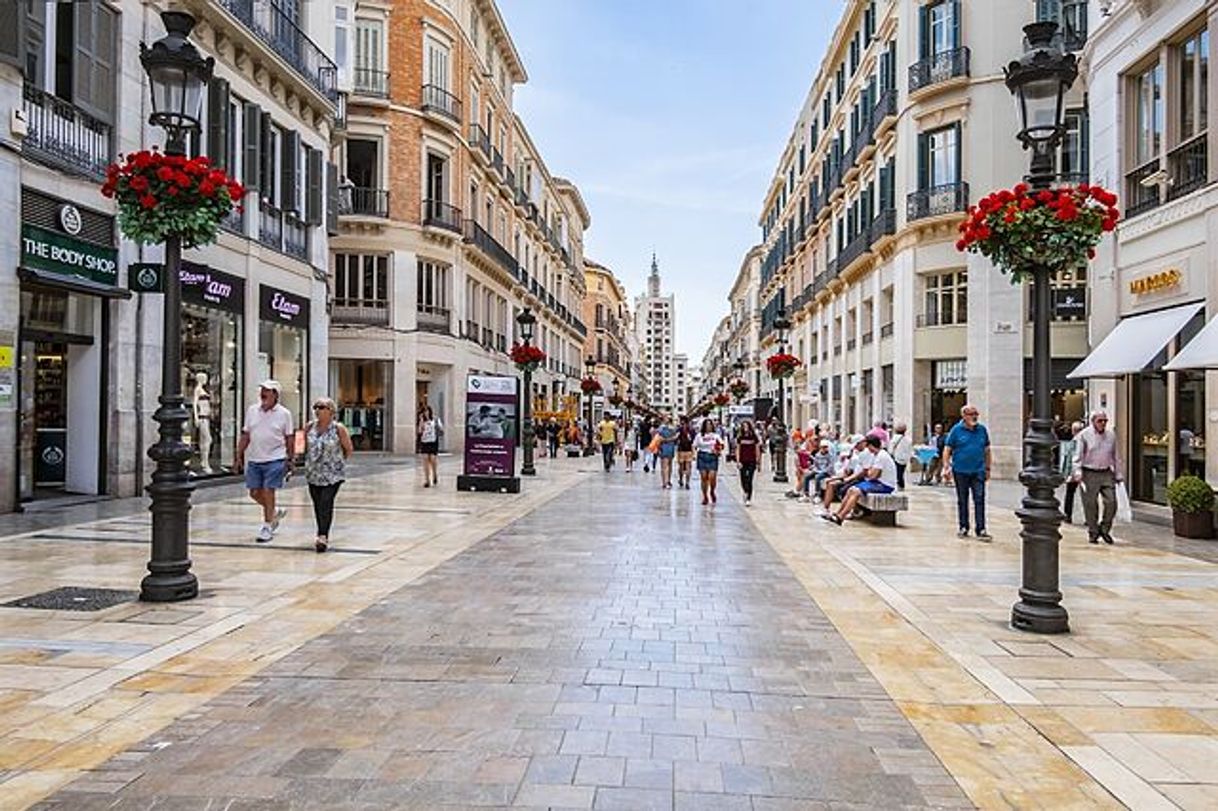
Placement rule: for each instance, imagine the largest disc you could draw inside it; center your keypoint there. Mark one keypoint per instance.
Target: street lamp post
(781, 325)
(1040, 80)
(527, 320)
(590, 368)
(177, 73)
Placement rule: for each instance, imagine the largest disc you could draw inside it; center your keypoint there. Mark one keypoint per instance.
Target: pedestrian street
(596, 642)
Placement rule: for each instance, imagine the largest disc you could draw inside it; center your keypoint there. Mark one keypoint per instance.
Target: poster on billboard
(491, 428)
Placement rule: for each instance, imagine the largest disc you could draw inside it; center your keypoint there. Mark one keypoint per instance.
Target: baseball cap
(271, 385)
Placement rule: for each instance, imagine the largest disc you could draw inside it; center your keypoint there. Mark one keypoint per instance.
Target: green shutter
(959, 153)
(954, 10)
(313, 190)
(217, 123)
(923, 161)
(923, 32)
(252, 145)
(331, 199)
(289, 163)
(266, 152)
(95, 33)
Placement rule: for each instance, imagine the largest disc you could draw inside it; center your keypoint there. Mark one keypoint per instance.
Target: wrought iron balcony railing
(479, 141)
(438, 100)
(271, 24)
(363, 201)
(64, 136)
(434, 319)
(938, 68)
(442, 215)
(1187, 166)
(1141, 195)
(947, 198)
(885, 224)
(370, 82)
(478, 236)
(360, 312)
(941, 319)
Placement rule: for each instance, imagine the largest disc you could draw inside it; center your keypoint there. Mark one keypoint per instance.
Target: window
(946, 299)
(940, 28)
(1148, 114)
(341, 31)
(1193, 58)
(1074, 150)
(361, 280)
(939, 158)
(369, 69)
(432, 281)
(436, 64)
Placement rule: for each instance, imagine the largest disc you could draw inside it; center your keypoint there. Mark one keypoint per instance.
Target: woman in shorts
(707, 447)
(429, 430)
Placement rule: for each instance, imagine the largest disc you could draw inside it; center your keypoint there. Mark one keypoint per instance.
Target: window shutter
(93, 78)
(331, 199)
(954, 10)
(923, 32)
(217, 123)
(313, 181)
(13, 35)
(959, 173)
(35, 39)
(266, 152)
(252, 145)
(289, 160)
(923, 161)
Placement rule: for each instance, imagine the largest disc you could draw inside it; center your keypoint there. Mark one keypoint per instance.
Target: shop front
(283, 346)
(362, 390)
(949, 391)
(69, 276)
(213, 311)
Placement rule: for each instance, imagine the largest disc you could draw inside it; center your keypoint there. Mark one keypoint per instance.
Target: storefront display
(362, 387)
(213, 304)
(283, 345)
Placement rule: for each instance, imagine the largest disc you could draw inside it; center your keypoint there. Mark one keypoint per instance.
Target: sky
(670, 117)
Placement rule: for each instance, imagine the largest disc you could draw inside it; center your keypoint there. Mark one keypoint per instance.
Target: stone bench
(882, 508)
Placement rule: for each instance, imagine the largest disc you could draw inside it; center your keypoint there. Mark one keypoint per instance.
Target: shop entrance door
(44, 418)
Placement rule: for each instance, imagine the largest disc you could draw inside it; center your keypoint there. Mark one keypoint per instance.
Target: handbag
(1124, 512)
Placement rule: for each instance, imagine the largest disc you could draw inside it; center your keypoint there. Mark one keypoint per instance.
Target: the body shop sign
(212, 288)
(490, 426)
(282, 307)
(58, 253)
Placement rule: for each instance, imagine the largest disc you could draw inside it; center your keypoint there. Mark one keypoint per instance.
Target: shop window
(281, 356)
(211, 384)
(946, 300)
(362, 388)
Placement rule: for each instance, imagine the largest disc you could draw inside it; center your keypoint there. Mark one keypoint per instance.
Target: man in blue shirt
(967, 460)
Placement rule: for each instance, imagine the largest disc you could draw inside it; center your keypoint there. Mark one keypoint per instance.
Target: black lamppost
(590, 370)
(738, 366)
(177, 73)
(781, 325)
(1040, 81)
(526, 320)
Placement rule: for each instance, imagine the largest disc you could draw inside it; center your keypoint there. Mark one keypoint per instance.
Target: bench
(882, 509)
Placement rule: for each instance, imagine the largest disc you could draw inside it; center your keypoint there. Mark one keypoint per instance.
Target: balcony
(363, 202)
(439, 101)
(477, 236)
(497, 160)
(885, 107)
(854, 249)
(940, 319)
(479, 142)
(360, 312)
(1187, 167)
(64, 137)
(370, 82)
(1141, 198)
(938, 68)
(884, 225)
(295, 237)
(434, 319)
(268, 22)
(937, 201)
(886, 330)
(270, 226)
(438, 214)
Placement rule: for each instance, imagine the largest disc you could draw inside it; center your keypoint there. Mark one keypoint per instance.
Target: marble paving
(618, 647)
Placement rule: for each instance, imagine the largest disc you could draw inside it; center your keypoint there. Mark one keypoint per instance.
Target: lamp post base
(1039, 618)
(168, 587)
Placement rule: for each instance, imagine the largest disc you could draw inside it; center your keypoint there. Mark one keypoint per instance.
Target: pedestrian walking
(606, 432)
(645, 435)
(265, 451)
(901, 448)
(428, 433)
(631, 445)
(880, 477)
(967, 460)
(1097, 464)
(708, 446)
(667, 450)
(685, 452)
(327, 448)
(748, 451)
(1065, 466)
(552, 437)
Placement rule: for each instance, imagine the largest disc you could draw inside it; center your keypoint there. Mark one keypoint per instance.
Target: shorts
(265, 475)
(871, 486)
(429, 448)
(707, 462)
(685, 457)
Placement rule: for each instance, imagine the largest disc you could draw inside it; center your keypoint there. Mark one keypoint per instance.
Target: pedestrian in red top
(748, 453)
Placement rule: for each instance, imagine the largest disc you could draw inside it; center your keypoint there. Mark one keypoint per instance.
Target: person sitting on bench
(856, 466)
(879, 478)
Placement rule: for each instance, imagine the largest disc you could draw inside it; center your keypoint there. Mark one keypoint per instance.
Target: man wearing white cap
(265, 451)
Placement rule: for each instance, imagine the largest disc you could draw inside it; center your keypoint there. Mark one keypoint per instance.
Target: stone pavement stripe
(44, 536)
(426, 678)
(95, 717)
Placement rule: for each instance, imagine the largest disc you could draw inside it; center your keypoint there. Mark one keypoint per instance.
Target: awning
(1200, 353)
(74, 284)
(1134, 342)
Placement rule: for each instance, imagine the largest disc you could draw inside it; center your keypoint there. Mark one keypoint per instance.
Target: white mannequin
(202, 412)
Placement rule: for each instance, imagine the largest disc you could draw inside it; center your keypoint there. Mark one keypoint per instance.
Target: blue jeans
(974, 483)
(265, 475)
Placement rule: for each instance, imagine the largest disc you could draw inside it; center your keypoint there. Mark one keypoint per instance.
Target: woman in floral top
(327, 447)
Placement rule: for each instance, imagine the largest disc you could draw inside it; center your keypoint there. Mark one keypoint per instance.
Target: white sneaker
(280, 514)
(748, 502)
(265, 534)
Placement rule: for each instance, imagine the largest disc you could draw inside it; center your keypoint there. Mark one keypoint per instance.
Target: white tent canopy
(1201, 352)
(1134, 342)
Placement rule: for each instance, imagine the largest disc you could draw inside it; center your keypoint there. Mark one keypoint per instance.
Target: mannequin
(202, 412)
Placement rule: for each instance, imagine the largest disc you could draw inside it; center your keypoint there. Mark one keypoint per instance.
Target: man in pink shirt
(1097, 464)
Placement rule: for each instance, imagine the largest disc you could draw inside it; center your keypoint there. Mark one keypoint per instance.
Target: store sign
(212, 288)
(1156, 281)
(283, 307)
(146, 277)
(70, 219)
(1070, 302)
(46, 250)
(490, 426)
(951, 375)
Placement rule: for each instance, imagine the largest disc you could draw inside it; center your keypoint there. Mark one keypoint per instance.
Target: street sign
(146, 277)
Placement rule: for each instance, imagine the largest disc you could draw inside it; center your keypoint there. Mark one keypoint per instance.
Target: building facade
(655, 328)
(80, 355)
(606, 312)
(450, 224)
(900, 131)
(1150, 143)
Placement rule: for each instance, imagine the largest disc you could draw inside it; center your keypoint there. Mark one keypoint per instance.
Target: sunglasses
(321, 408)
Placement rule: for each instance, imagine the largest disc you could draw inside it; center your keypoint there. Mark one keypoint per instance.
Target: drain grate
(75, 598)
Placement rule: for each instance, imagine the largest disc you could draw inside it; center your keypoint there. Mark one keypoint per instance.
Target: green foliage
(1190, 494)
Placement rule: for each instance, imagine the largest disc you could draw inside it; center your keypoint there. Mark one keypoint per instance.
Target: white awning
(1201, 352)
(1134, 342)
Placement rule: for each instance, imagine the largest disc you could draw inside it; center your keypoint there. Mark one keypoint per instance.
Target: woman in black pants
(748, 453)
(327, 447)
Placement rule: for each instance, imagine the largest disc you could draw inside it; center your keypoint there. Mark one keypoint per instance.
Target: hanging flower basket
(1021, 230)
(722, 399)
(161, 196)
(527, 357)
(615, 399)
(782, 365)
(590, 385)
(739, 389)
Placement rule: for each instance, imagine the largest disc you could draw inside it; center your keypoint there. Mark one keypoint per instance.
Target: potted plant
(528, 358)
(782, 365)
(1192, 504)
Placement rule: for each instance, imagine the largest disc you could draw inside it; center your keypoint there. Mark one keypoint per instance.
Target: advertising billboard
(490, 425)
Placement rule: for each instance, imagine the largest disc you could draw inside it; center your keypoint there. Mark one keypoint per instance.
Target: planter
(1193, 525)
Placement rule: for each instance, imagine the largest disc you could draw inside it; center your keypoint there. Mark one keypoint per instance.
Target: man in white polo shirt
(265, 451)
